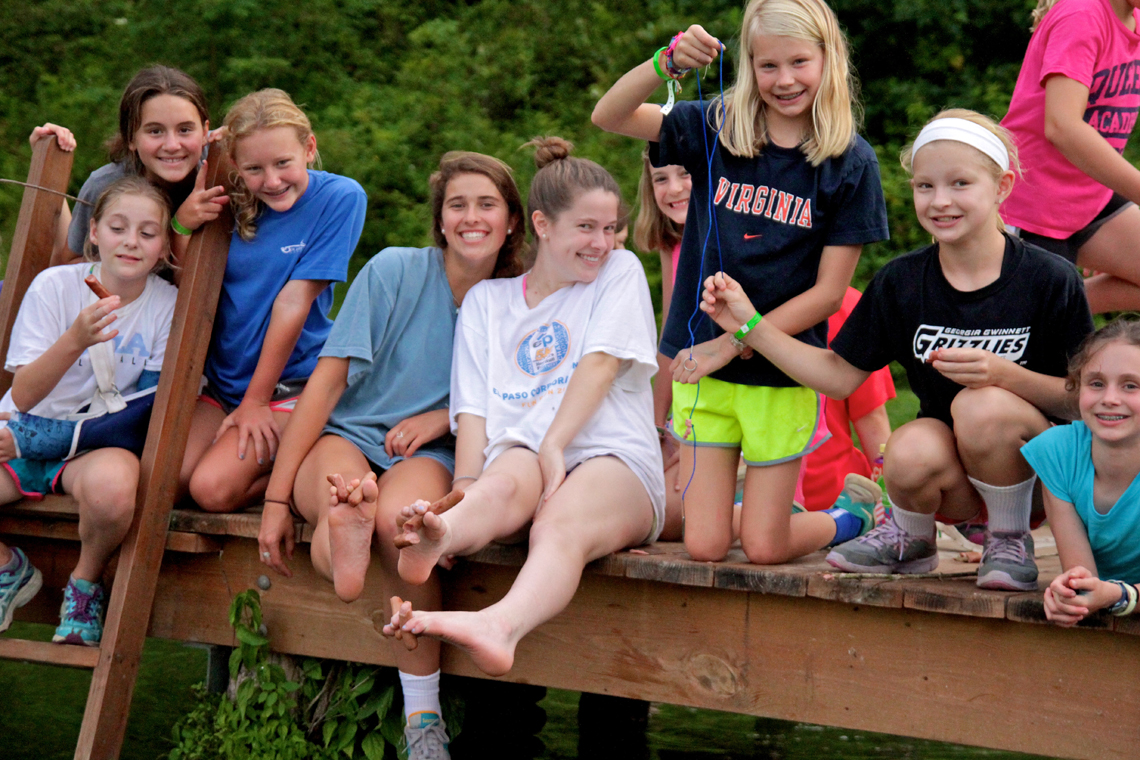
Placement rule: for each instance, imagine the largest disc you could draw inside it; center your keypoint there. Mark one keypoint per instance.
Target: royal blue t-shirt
(313, 240)
(774, 215)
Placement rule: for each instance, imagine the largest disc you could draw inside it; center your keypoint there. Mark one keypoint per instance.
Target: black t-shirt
(774, 215)
(1035, 314)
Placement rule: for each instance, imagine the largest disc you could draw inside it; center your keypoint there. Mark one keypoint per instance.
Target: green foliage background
(390, 84)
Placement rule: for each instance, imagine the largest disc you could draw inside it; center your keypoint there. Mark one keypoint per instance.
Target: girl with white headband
(984, 325)
(1071, 114)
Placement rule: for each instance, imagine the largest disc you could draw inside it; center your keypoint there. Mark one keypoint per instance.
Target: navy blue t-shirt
(774, 215)
(1034, 314)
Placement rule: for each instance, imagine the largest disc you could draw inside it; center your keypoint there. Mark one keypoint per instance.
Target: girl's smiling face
(169, 139)
(1109, 394)
(788, 74)
(576, 244)
(274, 164)
(475, 217)
(956, 197)
(131, 238)
(671, 188)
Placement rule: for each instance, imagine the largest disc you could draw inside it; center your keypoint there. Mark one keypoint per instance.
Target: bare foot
(352, 521)
(426, 543)
(401, 614)
(480, 634)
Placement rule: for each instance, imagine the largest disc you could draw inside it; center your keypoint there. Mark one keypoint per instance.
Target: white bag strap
(102, 356)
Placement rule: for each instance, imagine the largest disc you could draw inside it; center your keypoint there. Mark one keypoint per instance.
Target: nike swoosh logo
(751, 237)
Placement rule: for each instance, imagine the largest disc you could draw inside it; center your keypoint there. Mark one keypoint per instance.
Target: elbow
(1056, 132)
(599, 118)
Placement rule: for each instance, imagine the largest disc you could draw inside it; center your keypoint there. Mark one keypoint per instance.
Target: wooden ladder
(116, 660)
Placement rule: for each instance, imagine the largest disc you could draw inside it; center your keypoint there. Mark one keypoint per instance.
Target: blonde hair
(1039, 12)
(264, 109)
(133, 185)
(653, 231)
(835, 111)
(906, 157)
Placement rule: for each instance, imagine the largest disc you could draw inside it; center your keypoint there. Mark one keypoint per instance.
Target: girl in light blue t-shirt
(1091, 476)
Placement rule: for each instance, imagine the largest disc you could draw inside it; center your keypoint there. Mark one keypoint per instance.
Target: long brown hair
(456, 162)
(148, 83)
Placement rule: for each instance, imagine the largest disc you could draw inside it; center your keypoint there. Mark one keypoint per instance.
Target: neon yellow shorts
(769, 425)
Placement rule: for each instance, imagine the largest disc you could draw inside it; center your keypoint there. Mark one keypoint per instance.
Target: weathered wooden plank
(790, 579)
(66, 655)
(32, 241)
(109, 698)
(874, 593)
(954, 597)
(901, 671)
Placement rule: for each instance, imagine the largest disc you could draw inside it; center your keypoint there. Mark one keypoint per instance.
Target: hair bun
(550, 149)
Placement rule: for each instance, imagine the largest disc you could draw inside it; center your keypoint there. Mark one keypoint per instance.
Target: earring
(510, 230)
(441, 229)
(544, 236)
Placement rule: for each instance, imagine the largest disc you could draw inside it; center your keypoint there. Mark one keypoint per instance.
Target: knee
(497, 487)
(763, 551)
(990, 418)
(914, 458)
(215, 491)
(706, 548)
(110, 497)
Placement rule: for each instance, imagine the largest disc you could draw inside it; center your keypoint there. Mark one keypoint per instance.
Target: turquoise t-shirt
(1062, 457)
(395, 328)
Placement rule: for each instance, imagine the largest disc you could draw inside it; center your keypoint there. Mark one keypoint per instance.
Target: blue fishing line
(710, 152)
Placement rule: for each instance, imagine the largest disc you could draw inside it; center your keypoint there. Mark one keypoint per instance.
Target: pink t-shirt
(1085, 41)
(676, 258)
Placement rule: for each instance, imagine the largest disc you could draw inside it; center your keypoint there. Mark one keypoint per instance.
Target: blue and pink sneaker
(19, 582)
(81, 616)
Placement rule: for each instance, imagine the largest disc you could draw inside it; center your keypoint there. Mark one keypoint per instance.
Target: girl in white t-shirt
(553, 409)
(60, 329)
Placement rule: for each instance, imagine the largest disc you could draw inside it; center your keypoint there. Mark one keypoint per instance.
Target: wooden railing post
(35, 235)
(109, 700)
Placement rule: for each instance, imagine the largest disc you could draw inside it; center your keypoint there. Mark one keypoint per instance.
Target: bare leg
(990, 427)
(709, 499)
(674, 513)
(203, 424)
(104, 483)
(499, 503)
(925, 475)
(8, 494)
(419, 477)
(223, 483)
(1111, 251)
(602, 507)
(769, 532)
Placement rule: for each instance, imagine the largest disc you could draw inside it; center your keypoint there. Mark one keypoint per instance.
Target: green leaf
(373, 746)
(247, 636)
(327, 731)
(378, 704)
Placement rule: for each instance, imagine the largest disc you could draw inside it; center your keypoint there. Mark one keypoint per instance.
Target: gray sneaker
(427, 743)
(886, 549)
(1007, 562)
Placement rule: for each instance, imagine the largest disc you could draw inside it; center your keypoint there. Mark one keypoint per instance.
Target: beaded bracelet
(464, 477)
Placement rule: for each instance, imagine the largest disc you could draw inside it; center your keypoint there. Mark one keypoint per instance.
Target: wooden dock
(931, 658)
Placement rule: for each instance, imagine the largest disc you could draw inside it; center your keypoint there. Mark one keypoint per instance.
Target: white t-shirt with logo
(51, 305)
(512, 365)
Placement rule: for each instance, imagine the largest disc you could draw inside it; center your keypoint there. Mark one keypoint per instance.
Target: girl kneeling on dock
(552, 404)
(1090, 471)
(374, 412)
(73, 351)
(984, 325)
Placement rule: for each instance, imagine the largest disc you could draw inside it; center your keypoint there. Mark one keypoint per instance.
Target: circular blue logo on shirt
(542, 350)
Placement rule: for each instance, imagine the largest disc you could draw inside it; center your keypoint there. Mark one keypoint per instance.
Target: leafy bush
(329, 709)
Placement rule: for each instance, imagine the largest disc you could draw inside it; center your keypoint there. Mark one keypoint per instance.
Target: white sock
(421, 694)
(1008, 507)
(913, 523)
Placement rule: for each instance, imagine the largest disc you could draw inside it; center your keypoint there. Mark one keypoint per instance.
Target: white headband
(963, 131)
